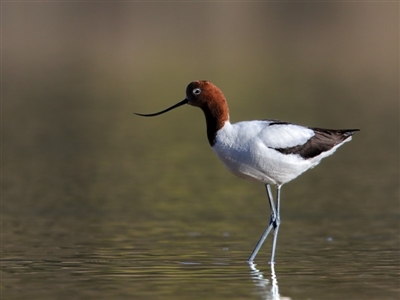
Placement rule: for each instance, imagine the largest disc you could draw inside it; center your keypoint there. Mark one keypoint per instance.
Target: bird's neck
(216, 117)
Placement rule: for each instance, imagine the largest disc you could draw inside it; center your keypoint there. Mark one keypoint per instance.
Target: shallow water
(127, 261)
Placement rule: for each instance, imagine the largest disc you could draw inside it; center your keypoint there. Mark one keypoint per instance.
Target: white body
(247, 150)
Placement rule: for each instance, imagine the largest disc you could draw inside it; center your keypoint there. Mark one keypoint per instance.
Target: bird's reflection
(267, 289)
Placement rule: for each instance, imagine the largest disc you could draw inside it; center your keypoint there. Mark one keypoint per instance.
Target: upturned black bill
(165, 110)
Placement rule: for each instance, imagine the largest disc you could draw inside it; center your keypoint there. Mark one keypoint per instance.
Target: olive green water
(98, 203)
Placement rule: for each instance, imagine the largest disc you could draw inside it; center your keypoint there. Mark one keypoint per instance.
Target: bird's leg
(272, 220)
(272, 224)
(276, 222)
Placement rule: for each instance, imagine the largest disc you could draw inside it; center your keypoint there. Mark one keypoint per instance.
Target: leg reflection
(267, 289)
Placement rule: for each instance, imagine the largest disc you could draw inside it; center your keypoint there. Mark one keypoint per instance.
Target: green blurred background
(76, 161)
(73, 73)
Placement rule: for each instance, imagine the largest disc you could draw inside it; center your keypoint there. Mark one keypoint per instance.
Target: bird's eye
(196, 91)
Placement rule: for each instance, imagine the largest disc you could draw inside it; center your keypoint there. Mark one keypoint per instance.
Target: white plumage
(247, 149)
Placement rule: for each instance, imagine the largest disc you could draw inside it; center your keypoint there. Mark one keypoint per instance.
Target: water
(121, 260)
(97, 203)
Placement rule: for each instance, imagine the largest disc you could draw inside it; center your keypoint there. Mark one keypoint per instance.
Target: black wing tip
(350, 132)
(346, 132)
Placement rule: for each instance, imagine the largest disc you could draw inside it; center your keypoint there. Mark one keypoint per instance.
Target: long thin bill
(165, 110)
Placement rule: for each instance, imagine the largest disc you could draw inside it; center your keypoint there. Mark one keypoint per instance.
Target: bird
(268, 151)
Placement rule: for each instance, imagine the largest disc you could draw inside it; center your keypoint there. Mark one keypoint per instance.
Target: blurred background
(83, 179)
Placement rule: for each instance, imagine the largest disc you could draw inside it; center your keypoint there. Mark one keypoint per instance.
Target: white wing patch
(273, 136)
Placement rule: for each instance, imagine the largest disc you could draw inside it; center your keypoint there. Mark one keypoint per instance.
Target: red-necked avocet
(267, 151)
